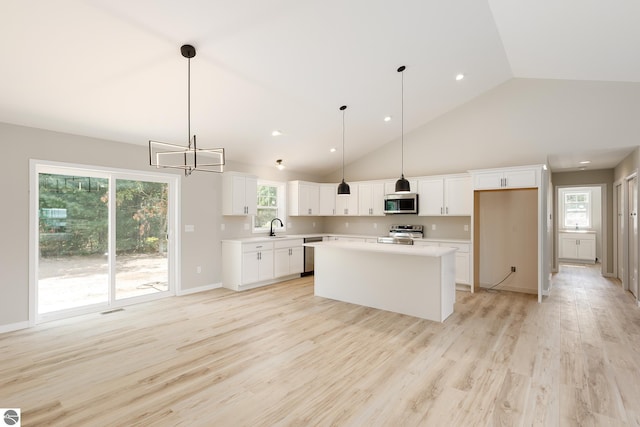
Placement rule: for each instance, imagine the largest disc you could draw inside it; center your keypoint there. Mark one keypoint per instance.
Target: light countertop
(302, 236)
(416, 250)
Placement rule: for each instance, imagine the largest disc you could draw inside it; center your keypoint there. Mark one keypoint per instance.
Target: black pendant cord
(343, 111)
(189, 101)
(402, 122)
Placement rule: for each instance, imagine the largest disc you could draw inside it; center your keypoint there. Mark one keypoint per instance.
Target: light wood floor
(280, 356)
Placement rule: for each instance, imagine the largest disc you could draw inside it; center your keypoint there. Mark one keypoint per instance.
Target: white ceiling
(112, 68)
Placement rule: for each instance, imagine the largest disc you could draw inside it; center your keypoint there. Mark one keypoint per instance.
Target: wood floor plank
(281, 356)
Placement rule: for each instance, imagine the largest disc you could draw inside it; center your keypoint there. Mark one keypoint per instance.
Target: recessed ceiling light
(276, 133)
(387, 119)
(459, 76)
(585, 162)
(332, 150)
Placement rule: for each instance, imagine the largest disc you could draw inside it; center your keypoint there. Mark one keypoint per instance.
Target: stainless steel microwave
(401, 203)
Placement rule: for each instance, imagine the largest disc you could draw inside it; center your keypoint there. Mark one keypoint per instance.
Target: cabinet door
(462, 268)
(347, 204)
(238, 189)
(377, 198)
(487, 180)
(309, 199)
(586, 249)
(266, 265)
(458, 196)
(431, 197)
(296, 260)
(250, 267)
(251, 195)
(365, 200)
(327, 199)
(281, 262)
(568, 247)
(521, 178)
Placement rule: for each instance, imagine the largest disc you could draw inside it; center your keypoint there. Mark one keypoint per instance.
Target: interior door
(633, 234)
(619, 232)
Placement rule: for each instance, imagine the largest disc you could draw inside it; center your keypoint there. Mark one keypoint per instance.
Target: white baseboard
(14, 326)
(198, 289)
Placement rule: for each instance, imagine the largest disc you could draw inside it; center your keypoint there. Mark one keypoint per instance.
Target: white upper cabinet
(520, 177)
(370, 198)
(446, 195)
(328, 199)
(347, 204)
(239, 194)
(304, 198)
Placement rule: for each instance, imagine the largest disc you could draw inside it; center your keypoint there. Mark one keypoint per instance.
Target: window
(577, 209)
(270, 205)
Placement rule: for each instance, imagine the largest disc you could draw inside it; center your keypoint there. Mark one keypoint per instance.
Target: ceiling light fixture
(343, 187)
(190, 158)
(276, 133)
(279, 164)
(459, 76)
(402, 185)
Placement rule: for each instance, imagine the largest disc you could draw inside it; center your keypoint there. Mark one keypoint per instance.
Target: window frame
(569, 192)
(281, 211)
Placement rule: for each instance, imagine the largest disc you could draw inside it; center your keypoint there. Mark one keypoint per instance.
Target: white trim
(172, 180)
(199, 289)
(10, 327)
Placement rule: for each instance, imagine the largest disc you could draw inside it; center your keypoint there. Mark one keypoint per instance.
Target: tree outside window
(270, 205)
(577, 209)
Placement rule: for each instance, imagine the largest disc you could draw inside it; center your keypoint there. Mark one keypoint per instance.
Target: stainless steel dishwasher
(308, 255)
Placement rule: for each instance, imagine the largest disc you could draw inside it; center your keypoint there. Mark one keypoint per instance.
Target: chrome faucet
(271, 232)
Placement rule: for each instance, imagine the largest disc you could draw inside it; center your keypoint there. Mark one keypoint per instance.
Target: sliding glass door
(103, 239)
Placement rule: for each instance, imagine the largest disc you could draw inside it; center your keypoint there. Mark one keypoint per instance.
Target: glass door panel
(142, 262)
(73, 219)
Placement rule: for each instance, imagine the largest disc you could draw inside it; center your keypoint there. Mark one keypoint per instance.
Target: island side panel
(400, 283)
(448, 270)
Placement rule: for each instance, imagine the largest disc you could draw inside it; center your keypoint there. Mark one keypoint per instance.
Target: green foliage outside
(74, 216)
(267, 205)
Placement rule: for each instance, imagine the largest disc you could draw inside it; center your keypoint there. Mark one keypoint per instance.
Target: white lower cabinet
(247, 265)
(288, 258)
(463, 259)
(577, 246)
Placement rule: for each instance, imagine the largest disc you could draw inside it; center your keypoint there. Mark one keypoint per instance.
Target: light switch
(188, 228)
(246, 226)
(221, 227)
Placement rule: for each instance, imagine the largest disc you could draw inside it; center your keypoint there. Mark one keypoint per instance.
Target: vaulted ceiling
(112, 68)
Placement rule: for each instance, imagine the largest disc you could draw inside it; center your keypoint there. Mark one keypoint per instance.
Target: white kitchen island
(408, 279)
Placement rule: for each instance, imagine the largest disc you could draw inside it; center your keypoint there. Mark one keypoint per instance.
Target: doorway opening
(581, 225)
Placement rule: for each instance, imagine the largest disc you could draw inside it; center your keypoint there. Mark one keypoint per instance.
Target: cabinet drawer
(253, 247)
(279, 244)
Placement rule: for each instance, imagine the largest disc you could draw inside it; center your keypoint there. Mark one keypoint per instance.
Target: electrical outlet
(513, 269)
(375, 225)
(221, 227)
(346, 224)
(198, 269)
(466, 227)
(314, 224)
(246, 226)
(433, 227)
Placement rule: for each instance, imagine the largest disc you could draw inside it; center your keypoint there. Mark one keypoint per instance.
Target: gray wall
(200, 206)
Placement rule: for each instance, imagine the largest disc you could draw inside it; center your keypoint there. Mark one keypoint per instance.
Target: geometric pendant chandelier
(189, 158)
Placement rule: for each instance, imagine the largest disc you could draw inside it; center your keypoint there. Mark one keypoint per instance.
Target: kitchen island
(414, 280)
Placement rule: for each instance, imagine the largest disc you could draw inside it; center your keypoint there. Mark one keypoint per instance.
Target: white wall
(510, 126)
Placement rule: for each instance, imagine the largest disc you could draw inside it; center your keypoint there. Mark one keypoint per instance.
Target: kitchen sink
(277, 237)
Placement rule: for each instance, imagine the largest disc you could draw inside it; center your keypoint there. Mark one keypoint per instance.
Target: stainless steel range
(401, 234)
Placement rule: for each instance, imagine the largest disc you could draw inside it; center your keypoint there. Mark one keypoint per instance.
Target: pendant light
(402, 185)
(343, 187)
(189, 158)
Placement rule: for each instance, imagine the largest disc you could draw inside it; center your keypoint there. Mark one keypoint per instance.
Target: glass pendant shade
(343, 188)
